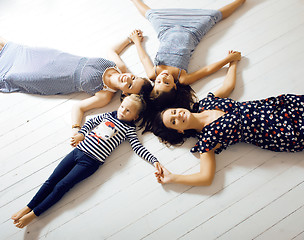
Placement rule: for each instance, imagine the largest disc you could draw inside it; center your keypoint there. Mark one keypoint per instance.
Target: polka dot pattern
(275, 123)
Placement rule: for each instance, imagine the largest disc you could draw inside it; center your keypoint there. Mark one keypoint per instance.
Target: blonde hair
(140, 102)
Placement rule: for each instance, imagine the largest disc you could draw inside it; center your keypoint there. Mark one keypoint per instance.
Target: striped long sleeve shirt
(98, 148)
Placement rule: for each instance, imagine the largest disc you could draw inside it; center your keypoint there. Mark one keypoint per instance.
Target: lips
(185, 116)
(120, 116)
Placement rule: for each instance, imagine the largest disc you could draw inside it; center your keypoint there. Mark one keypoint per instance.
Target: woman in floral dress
(275, 123)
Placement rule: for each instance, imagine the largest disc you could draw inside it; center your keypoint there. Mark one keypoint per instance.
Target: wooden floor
(256, 194)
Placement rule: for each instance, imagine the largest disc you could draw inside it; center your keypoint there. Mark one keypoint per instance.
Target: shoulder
(184, 77)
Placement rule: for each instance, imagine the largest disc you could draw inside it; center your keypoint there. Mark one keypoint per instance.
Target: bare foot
(2, 43)
(25, 220)
(20, 214)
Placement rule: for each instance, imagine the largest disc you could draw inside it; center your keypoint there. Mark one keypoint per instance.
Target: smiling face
(128, 110)
(177, 118)
(164, 82)
(128, 83)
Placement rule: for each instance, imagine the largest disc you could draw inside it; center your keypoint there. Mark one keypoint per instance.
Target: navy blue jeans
(74, 168)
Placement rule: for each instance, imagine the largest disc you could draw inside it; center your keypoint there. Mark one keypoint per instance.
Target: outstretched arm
(136, 37)
(141, 7)
(99, 100)
(202, 178)
(190, 78)
(114, 54)
(229, 82)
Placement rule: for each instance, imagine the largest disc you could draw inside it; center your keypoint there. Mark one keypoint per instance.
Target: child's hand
(165, 177)
(158, 168)
(76, 139)
(234, 56)
(136, 36)
(75, 131)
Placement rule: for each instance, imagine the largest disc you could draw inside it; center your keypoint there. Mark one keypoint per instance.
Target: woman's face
(177, 118)
(129, 83)
(128, 110)
(164, 82)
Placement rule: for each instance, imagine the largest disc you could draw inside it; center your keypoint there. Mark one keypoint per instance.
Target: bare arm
(202, 178)
(114, 52)
(190, 78)
(229, 82)
(100, 99)
(137, 38)
(141, 7)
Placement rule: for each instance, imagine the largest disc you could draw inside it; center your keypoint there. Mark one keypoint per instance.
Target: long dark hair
(182, 96)
(167, 135)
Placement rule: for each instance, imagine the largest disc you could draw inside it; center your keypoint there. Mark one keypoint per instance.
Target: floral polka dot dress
(275, 123)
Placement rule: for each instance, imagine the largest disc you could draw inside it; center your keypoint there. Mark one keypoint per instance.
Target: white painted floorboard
(256, 194)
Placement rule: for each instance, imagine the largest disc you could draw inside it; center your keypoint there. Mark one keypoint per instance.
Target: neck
(110, 78)
(199, 121)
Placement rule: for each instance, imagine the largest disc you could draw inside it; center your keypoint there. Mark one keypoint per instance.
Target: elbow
(209, 182)
(112, 51)
(206, 181)
(183, 81)
(231, 87)
(77, 108)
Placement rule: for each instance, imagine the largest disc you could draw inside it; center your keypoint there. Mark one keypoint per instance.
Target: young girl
(48, 72)
(94, 143)
(275, 123)
(179, 32)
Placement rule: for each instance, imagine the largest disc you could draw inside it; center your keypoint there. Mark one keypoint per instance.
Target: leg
(84, 168)
(141, 7)
(230, 8)
(59, 173)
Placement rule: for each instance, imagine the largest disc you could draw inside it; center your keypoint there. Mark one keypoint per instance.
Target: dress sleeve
(204, 144)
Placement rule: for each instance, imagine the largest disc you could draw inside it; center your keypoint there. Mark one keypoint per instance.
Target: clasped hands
(162, 174)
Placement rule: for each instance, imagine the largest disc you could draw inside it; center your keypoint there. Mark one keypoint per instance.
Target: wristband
(76, 126)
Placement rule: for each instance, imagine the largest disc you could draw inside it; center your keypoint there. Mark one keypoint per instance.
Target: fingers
(137, 33)
(234, 55)
(159, 169)
(73, 142)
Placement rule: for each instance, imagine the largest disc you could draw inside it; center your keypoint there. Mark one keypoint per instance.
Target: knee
(62, 187)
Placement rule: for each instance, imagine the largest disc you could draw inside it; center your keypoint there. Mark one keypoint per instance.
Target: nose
(179, 115)
(127, 79)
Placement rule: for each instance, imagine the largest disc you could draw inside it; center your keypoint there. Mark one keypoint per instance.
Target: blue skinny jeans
(74, 168)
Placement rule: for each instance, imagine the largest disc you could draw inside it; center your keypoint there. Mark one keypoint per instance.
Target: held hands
(234, 56)
(76, 139)
(136, 36)
(163, 175)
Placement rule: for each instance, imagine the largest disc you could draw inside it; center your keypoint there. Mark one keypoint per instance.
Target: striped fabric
(48, 71)
(100, 149)
(179, 32)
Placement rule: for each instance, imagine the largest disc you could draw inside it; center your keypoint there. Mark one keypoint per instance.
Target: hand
(234, 56)
(158, 168)
(136, 36)
(75, 131)
(76, 139)
(165, 177)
